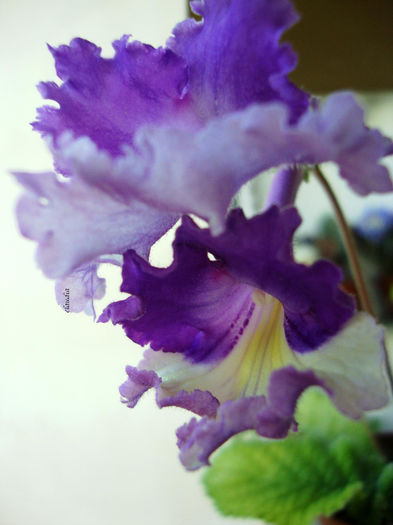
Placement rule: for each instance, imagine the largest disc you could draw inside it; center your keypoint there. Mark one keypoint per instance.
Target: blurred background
(70, 453)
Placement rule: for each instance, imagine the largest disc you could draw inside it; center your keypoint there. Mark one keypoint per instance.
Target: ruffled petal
(200, 172)
(74, 222)
(241, 372)
(198, 439)
(353, 367)
(350, 368)
(200, 308)
(140, 380)
(353, 146)
(271, 416)
(256, 251)
(201, 402)
(77, 291)
(285, 387)
(108, 99)
(235, 58)
(260, 348)
(193, 307)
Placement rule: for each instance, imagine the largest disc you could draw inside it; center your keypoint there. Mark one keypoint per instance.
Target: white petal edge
(353, 366)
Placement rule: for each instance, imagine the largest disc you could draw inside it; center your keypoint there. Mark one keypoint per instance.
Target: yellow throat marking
(265, 349)
(245, 372)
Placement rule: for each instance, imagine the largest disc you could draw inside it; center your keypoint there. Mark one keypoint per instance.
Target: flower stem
(353, 258)
(349, 243)
(284, 187)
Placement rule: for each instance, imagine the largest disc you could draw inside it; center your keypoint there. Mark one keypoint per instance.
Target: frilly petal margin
(353, 366)
(139, 381)
(192, 307)
(235, 57)
(200, 172)
(77, 291)
(350, 368)
(108, 99)
(197, 440)
(198, 307)
(74, 222)
(263, 242)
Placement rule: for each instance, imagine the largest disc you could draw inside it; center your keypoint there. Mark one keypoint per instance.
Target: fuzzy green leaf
(286, 483)
(331, 463)
(383, 500)
(317, 416)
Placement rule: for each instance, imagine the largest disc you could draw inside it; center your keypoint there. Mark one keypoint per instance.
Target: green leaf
(286, 483)
(306, 175)
(331, 463)
(318, 416)
(383, 499)
(352, 443)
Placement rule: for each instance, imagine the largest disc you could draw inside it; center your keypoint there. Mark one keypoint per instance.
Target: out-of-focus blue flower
(375, 224)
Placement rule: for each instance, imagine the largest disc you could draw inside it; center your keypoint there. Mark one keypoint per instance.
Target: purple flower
(230, 61)
(75, 223)
(151, 134)
(237, 330)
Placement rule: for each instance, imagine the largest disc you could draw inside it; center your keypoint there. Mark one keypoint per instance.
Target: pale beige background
(70, 453)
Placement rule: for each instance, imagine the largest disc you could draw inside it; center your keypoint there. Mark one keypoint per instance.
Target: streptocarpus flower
(237, 330)
(151, 134)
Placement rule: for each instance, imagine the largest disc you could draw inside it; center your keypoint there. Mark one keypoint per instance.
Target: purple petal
(201, 308)
(235, 58)
(108, 99)
(193, 307)
(200, 402)
(256, 251)
(270, 418)
(140, 380)
(200, 172)
(197, 440)
(74, 222)
(130, 308)
(285, 387)
(284, 187)
(354, 147)
(350, 368)
(77, 291)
